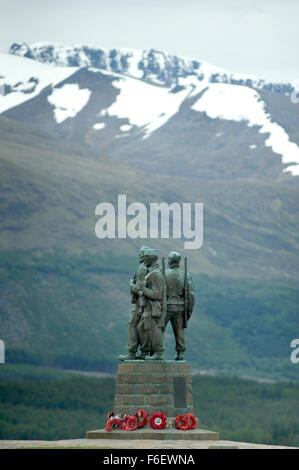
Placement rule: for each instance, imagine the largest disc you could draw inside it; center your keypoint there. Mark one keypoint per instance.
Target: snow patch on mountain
(22, 79)
(239, 103)
(98, 126)
(68, 100)
(146, 106)
(134, 59)
(125, 127)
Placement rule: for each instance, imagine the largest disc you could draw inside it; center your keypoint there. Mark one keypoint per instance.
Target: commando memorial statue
(158, 298)
(153, 397)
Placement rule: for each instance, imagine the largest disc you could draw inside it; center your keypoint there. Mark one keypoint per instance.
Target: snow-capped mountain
(22, 79)
(154, 66)
(154, 110)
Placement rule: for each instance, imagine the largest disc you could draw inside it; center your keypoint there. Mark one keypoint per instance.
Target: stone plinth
(164, 386)
(152, 386)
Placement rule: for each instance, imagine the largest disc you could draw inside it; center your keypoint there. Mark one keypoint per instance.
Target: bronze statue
(158, 298)
(180, 301)
(133, 335)
(152, 319)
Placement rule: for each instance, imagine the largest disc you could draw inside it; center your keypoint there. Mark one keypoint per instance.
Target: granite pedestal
(164, 386)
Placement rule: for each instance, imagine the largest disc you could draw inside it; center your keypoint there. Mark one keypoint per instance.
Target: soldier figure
(178, 301)
(153, 316)
(135, 289)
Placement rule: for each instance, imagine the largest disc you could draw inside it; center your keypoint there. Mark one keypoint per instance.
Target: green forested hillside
(235, 328)
(54, 409)
(64, 293)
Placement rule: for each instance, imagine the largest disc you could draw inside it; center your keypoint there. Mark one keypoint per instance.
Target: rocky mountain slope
(153, 110)
(156, 67)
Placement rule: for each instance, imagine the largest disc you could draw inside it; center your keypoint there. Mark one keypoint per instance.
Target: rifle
(185, 319)
(164, 300)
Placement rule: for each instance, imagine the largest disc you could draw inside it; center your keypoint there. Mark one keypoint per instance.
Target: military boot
(179, 356)
(127, 357)
(141, 356)
(155, 357)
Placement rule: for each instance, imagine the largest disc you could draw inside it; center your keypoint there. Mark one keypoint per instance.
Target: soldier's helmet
(143, 249)
(151, 253)
(174, 258)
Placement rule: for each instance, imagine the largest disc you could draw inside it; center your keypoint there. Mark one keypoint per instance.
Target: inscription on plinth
(164, 386)
(179, 392)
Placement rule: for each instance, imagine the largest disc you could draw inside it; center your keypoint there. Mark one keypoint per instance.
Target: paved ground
(137, 444)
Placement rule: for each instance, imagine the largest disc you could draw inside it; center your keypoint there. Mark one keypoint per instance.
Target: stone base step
(159, 434)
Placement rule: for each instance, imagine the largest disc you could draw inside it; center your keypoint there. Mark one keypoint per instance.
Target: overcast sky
(258, 37)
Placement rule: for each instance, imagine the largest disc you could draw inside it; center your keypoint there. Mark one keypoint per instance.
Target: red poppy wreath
(142, 418)
(158, 420)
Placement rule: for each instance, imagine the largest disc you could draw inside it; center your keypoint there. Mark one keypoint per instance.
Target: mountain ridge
(146, 124)
(153, 65)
